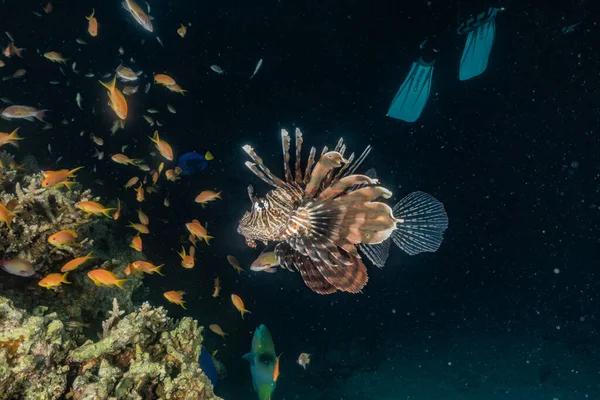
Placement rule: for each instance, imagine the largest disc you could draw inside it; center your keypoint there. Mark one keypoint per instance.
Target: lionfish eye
(260, 204)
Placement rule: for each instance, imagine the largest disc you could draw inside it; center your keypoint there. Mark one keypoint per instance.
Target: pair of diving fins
(411, 98)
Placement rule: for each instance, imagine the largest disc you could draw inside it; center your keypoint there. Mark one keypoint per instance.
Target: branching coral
(142, 355)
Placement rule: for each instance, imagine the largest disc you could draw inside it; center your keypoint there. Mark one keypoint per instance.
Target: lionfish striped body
(319, 219)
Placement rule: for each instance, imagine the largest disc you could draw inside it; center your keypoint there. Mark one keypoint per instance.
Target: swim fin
(481, 33)
(414, 92)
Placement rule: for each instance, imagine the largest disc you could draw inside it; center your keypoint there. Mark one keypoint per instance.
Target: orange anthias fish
(92, 207)
(303, 360)
(176, 88)
(235, 264)
(62, 238)
(123, 159)
(163, 147)
(55, 57)
(182, 30)
(164, 79)
(172, 175)
(143, 217)
(53, 281)
(136, 243)
(48, 8)
(74, 264)
(131, 182)
(6, 216)
(217, 289)
(117, 100)
(239, 304)
(147, 267)
(138, 14)
(141, 228)
(187, 261)
(10, 138)
(207, 196)
(117, 213)
(106, 278)
(92, 24)
(139, 193)
(217, 329)
(58, 178)
(12, 49)
(175, 297)
(24, 112)
(196, 229)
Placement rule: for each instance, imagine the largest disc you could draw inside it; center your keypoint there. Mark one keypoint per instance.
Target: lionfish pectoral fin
(326, 164)
(345, 183)
(421, 222)
(377, 253)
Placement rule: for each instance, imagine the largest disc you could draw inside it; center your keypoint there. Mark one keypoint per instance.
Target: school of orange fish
(66, 177)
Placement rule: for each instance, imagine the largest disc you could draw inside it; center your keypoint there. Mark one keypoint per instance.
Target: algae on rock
(141, 355)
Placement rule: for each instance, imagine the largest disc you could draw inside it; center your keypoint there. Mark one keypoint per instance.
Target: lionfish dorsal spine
(273, 180)
(309, 164)
(252, 167)
(359, 161)
(325, 165)
(298, 168)
(342, 170)
(285, 144)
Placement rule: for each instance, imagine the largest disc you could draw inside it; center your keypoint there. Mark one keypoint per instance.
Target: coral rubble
(141, 355)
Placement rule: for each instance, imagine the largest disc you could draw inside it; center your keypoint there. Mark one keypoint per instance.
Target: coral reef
(40, 212)
(141, 355)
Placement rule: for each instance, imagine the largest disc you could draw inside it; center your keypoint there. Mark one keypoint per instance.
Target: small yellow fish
(139, 193)
(143, 217)
(196, 229)
(106, 278)
(92, 207)
(163, 147)
(117, 100)
(117, 213)
(58, 178)
(53, 280)
(187, 261)
(92, 24)
(136, 243)
(131, 182)
(182, 30)
(147, 267)
(123, 159)
(10, 138)
(6, 215)
(217, 329)
(235, 264)
(62, 238)
(239, 304)
(217, 289)
(207, 196)
(74, 264)
(141, 228)
(175, 297)
(55, 57)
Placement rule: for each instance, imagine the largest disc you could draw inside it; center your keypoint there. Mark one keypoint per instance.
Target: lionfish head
(247, 226)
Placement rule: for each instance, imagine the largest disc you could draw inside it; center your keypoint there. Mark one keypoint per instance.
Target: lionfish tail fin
(421, 222)
(377, 253)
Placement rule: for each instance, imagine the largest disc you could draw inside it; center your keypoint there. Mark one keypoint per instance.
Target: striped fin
(341, 172)
(311, 275)
(343, 184)
(349, 278)
(298, 168)
(309, 164)
(326, 164)
(422, 221)
(285, 144)
(252, 167)
(377, 253)
(359, 160)
(339, 145)
(250, 151)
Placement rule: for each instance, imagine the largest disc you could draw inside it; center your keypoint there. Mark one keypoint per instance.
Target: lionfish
(320, 219)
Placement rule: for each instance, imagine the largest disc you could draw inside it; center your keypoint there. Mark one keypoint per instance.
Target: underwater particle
(556, 271)
(575, 164)
(175, 297)
(217, 69)
(239, 304)
(303, 360)
(182, 31)
(258, 65)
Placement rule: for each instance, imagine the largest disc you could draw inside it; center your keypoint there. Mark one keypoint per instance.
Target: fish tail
(120, 282)
(107, 211)
(13, 135)
(207, 238)
(72, 172)
(243, 312)
(110, 86)
(90, 255)
(182, 304)
(421, 221)
(64, 279)
(158, 268)
(40, 115)
(91, 16)
(155, 137)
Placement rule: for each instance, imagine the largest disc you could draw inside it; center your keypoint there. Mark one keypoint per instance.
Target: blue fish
(208, 366)
(193, 163)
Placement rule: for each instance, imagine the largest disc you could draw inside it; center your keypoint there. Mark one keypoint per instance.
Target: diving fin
(481, 33)
(414, 92)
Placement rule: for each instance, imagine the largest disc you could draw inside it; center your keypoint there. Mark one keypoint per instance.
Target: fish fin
(14, 136)
(72, 172)
(421, 222)
(245, 312)
(377, 253)
(249, 357)
(64, 279)
(285, 144)
(270, 270)
(110, 86)
(91, 16)
(119, 283)
(68, 184)
(158, 268)
(183, 305)
(207, 238)
(309, 164)
(310, 274)
(155, 137)
(272, 179)
(208, 156)
(107, 211)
